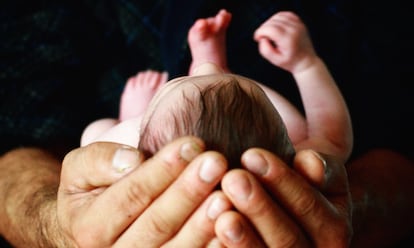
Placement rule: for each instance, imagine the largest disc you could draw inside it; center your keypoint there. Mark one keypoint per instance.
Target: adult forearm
(29, 181)
(381, 185)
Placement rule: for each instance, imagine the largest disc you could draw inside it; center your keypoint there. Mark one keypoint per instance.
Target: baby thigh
(96, 129)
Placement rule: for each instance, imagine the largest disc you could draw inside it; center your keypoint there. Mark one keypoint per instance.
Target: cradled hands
(276, 206)
(284, 41)
(110, 197)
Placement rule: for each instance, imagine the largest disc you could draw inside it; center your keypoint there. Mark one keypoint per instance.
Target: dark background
(63, 64)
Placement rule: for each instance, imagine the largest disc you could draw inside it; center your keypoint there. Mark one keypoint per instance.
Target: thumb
(98, 164)
(324, 171)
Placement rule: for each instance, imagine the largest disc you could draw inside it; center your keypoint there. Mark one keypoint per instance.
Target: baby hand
(284, 41)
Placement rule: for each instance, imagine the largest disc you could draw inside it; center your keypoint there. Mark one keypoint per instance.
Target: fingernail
(318, 156)
(326, 171)
(189, 151)
(236, 233)
(210, 169)
(240, 188)
(216, 207)
(124, 159)
(255, 163)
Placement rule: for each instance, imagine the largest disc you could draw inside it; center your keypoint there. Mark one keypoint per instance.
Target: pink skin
(138, 92)
(207, 40)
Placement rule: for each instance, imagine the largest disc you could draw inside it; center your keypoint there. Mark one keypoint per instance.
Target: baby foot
(139, 91)
(207, 41)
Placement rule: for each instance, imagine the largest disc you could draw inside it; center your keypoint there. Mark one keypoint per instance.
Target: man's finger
(305, 203)
(235, 231)
(171, 210)
(97, 165)
(272, 223)
(124, 201)
(198, 231)
(322, 170)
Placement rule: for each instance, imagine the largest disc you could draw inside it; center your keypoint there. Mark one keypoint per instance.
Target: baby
(232, 113)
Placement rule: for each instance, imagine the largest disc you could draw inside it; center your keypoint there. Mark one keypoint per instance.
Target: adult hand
(309, 206)
(110, 196)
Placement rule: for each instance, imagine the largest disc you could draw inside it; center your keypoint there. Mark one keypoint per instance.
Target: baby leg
(207, 41)
(96, 129)
(138, 92)
(134, 100)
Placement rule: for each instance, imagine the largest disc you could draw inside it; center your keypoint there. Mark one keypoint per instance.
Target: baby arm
(294, 121)
(284, 41)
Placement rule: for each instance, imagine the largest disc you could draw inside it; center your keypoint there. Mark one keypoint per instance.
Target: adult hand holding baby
(109, 196)
(149, 202)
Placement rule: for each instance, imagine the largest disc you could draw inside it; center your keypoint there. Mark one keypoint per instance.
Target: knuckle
(189, 195)
(256, 209)
(137, 194)
(281, 175)
(158, 227)
(289, 240)
(305, 205)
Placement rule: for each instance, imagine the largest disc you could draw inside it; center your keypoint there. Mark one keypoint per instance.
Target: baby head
(229, 112)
